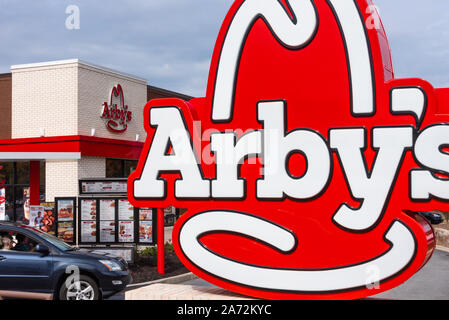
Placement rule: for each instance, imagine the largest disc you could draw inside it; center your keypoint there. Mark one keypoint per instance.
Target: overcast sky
(170, 42)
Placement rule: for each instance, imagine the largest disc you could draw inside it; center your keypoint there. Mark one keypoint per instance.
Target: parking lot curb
(442, 248)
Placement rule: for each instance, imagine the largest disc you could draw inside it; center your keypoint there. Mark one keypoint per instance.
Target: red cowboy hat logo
(304, 166)
(116, 113)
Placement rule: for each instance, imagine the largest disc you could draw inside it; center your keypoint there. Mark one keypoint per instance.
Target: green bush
(152, 251)
(148, 251)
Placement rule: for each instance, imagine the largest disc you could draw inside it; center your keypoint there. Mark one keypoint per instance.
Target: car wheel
(83, 289)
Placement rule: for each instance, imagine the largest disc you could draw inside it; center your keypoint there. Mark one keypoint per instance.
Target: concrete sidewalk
(164, 291)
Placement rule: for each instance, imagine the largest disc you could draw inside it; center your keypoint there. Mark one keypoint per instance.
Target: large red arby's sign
(116, 113)
(304, 164)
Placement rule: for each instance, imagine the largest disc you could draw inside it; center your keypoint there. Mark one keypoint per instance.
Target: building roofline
(169, 92)
(5, 75)
(75, 61)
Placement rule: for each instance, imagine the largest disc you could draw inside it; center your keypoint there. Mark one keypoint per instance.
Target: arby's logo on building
(116, 113)
(304, 166)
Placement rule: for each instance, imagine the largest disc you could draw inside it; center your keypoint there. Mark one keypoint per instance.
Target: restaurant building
(63, 122)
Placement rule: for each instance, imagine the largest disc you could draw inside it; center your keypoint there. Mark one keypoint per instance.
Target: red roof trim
(68, 139)
(88, 146)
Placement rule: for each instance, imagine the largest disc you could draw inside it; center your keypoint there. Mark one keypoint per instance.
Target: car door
(25, 271)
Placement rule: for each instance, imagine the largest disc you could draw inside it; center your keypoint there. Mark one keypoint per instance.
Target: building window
(119, 168)
(17, 185)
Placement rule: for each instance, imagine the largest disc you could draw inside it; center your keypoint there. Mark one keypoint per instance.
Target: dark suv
(36, 265)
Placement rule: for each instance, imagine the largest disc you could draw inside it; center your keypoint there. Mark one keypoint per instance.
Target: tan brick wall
(95, 87)
(47, 98)
(61, 179)
(91, 167)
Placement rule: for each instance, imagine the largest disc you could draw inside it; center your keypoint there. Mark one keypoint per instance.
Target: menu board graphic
(146, 214)
(126, 231)
(65, 218)
(103, 216)
(89, 231)
(66, 231)
(48, 220)
(125, 210)
(146, 232)
(107, 231)
(65, 210)
(107, 209)
(103, 187)
(88, 209)
(126, 223)
(146, 225)
(36, 216)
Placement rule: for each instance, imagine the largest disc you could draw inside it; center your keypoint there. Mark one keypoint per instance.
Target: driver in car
(22, 243)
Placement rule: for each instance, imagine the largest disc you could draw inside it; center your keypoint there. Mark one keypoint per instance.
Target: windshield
(61, 245)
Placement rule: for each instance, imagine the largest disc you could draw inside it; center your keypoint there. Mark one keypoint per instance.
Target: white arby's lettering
(370, 186)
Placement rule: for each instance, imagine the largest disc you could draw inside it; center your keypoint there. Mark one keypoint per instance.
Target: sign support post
(34, 183)
(160, 242)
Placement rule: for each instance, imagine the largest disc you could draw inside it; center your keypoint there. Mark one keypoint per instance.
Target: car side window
(23, 243)
(16, 241)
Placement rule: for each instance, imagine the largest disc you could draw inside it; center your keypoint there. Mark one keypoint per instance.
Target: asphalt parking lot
(430, 283)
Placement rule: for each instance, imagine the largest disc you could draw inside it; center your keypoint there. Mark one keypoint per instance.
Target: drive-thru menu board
(114, 221)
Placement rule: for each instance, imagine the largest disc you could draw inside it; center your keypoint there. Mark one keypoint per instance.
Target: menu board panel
(103, 186)
(66, 232)
(88, 209)
(125, 210)
(146, 232)
(89, 231)
(65, 209)
(107, 231)
(126, 231)
(146, 214)
(146, 225)
(107, 209)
